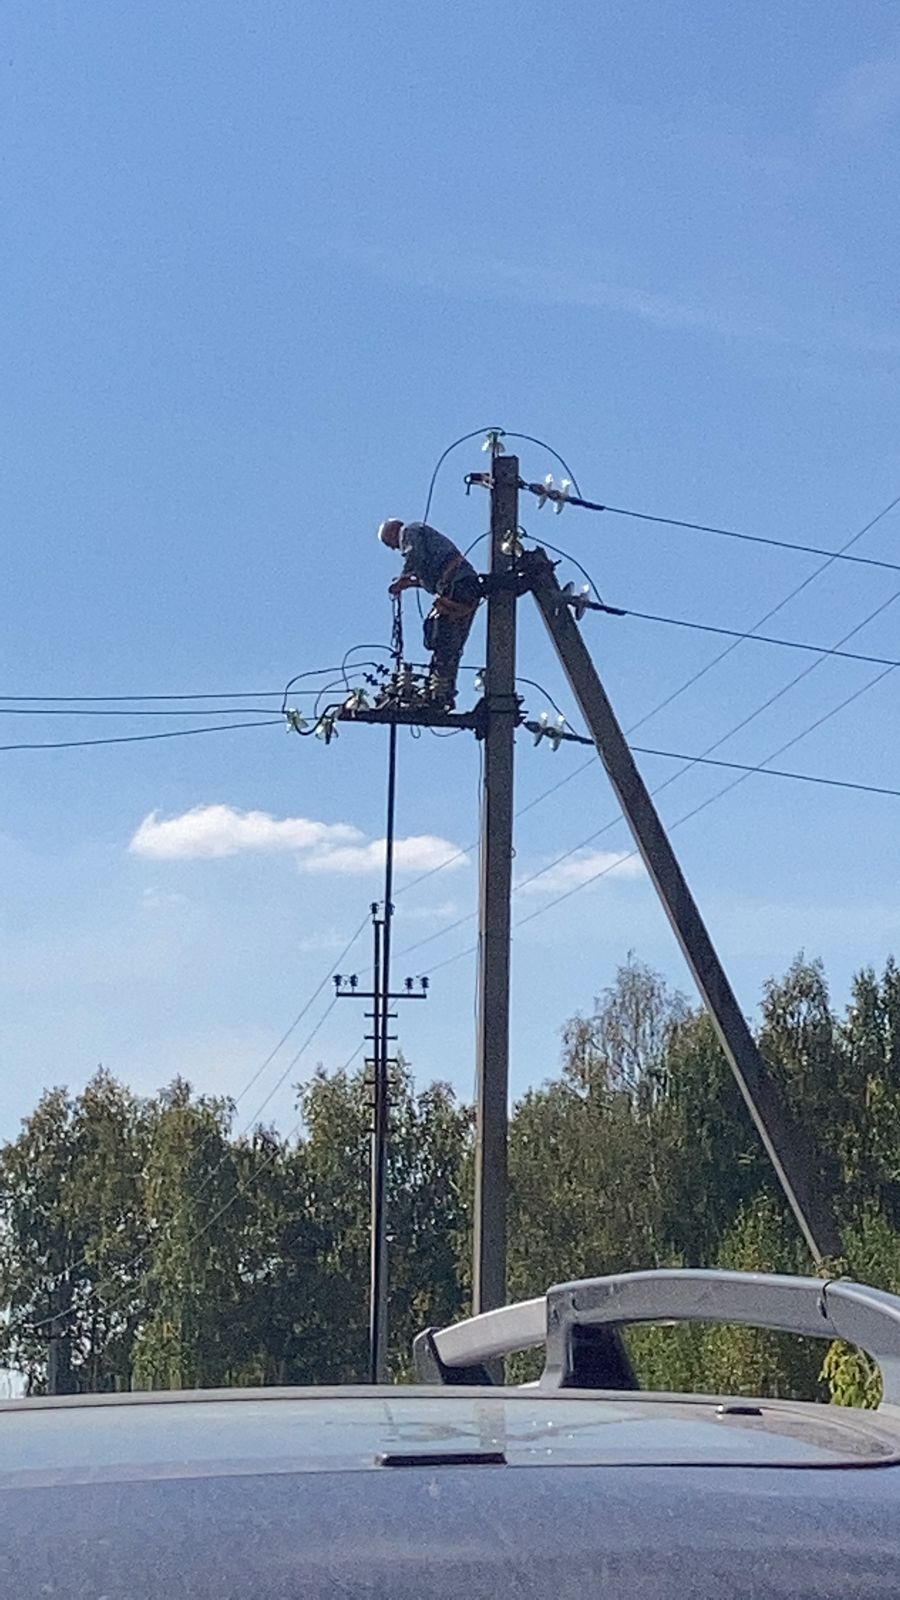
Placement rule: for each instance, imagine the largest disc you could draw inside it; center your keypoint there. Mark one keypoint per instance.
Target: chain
(397, 632)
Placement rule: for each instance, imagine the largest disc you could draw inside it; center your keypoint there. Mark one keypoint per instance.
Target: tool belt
(444, 605)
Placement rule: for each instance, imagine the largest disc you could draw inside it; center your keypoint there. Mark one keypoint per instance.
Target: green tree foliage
(143, 1244)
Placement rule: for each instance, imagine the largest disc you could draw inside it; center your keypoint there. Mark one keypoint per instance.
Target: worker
(432, 562)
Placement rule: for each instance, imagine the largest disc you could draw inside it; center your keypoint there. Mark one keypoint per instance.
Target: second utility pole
(501, 711)
(378, 1303)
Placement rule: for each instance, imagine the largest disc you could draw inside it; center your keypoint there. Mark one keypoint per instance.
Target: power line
(501, 433)
(739, 639)
(477, 433)
(128, 711)
(767, 615)
(778, 772)
(727, 533)
(738, 726)
(218, 694)
(694, 677)
(674, 694)
(302, 1012)
(139, 738)
(744, 772)
(702, 759)
(583, 570)
(248, 1183)
(85, 1260)
(254, 1120)
(33, 1327)
(761, 638)
(109, 699)
(542, 445)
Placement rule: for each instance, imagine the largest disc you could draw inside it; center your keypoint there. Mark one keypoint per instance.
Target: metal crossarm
(825, 1309)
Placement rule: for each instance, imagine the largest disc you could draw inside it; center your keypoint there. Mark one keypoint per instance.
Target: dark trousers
(445, 636)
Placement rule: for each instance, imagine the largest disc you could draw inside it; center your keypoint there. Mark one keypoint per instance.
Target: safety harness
(443, 604)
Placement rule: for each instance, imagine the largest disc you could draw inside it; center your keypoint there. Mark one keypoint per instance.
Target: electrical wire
(542, 445)
(248, 1183)
(729, 533)
(702, 758)
(829, 556)
(352, 651)
(204, 1229)
(694, 677)
(221, 694)
(138, 738)
(85, 1260)
(761, 638)
(58, 1317)
(477, 433)
(480, 433)
(475, 542)
(744, 772)
(109, 699)
(316, 672)
(285, 1074)
(738, 727)
(533, 684)
(302, 1012)
(126, 711)
(777, 772)
(571, 559)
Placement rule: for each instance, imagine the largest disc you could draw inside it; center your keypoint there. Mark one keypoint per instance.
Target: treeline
(142, 1244)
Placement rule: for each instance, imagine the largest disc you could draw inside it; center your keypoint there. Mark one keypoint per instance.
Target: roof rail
(821, 1308)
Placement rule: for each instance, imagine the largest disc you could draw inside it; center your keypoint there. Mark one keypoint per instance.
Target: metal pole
(784, 1141)
(376, 1211)
(382, 1098)
(501, 708)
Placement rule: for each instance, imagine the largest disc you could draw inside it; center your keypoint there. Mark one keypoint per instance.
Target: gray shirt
(427, 555)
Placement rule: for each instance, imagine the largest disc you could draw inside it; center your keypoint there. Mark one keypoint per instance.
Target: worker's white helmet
(389, 532)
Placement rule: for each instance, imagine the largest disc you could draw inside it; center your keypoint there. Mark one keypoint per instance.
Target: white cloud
(581, 868)
(419, 853)
(212, 832)
(208, 832)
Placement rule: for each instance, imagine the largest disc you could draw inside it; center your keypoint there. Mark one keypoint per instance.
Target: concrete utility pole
(787, 1146)
(501, 710)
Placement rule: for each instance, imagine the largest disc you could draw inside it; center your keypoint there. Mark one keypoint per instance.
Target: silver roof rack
(826, 1309)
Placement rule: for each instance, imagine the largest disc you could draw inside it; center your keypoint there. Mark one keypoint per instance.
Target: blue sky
(261, 263)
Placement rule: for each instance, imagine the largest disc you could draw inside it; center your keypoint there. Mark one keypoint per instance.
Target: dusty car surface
(459, 1487)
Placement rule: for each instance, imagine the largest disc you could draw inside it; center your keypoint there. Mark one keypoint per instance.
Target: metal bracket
(431, 1369)
(839, 1309)
(570, 1320)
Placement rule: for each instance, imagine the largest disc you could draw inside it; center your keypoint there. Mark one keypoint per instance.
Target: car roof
(220, 1433)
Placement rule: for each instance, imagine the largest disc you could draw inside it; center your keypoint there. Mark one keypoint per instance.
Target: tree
(70, 1228)
(189, 1271)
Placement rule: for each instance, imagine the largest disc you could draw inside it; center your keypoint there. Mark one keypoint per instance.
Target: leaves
(145, 1244)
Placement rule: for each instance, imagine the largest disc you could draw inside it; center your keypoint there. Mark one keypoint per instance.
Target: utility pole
(380, 1064)
(786, 1144)
(501, 711)
(403, 703)
(378, 1333)
(378, 1163)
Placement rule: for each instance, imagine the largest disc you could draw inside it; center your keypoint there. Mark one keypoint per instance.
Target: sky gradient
(261, 264)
